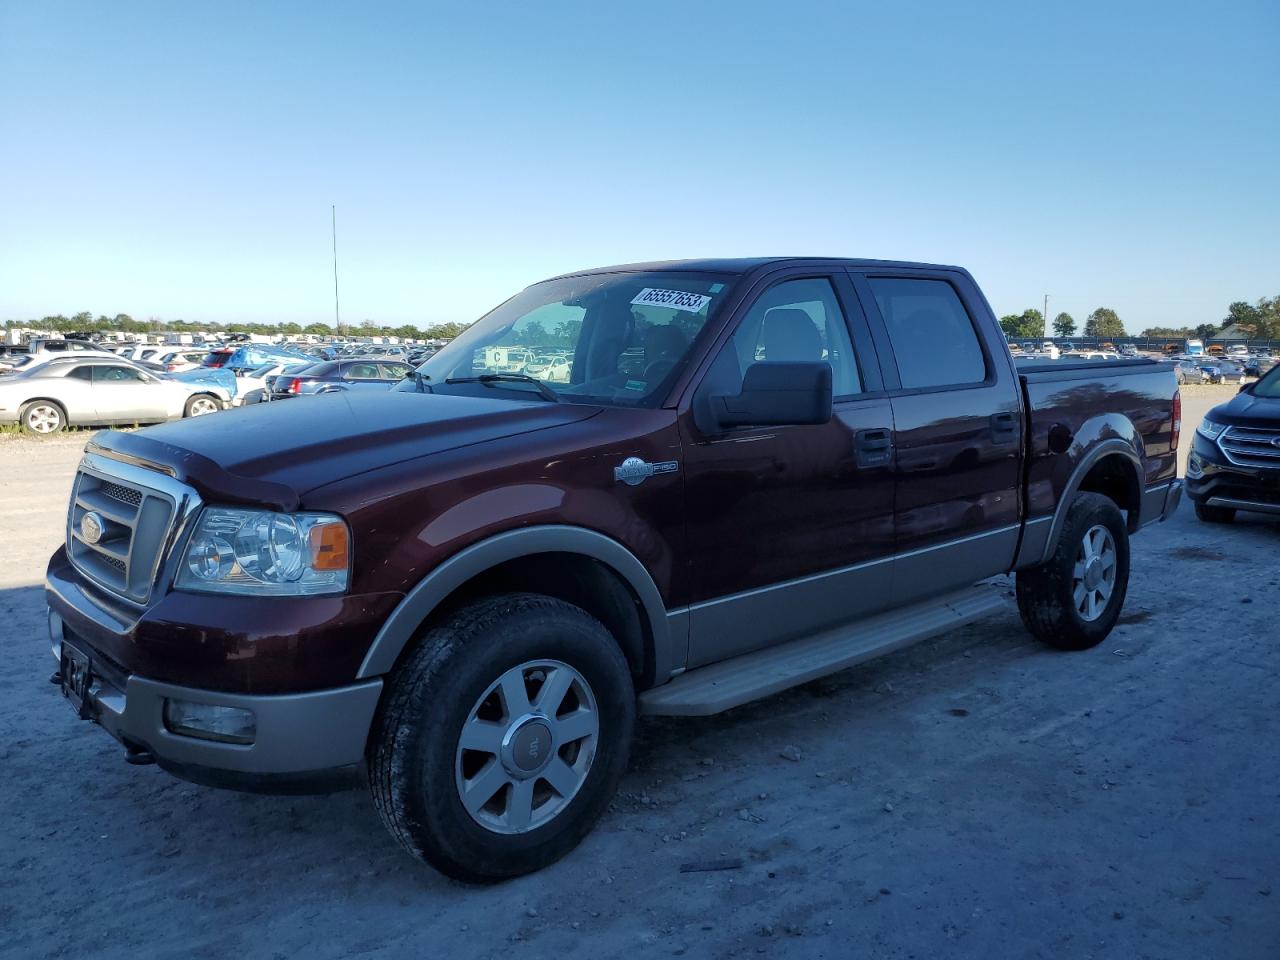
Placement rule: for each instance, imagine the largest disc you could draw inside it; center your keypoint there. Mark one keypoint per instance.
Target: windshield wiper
(487, 378)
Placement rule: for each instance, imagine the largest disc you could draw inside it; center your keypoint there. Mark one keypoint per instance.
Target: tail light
(171, 367)
(295, 385)
(1177, 420)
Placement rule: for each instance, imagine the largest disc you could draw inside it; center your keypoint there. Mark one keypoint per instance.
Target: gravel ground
(976, 796)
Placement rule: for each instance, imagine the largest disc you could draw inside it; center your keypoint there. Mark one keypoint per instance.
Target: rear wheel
(502, 737)
(1072, 601)
(201, 405)
(1208, 514)
(43, 417)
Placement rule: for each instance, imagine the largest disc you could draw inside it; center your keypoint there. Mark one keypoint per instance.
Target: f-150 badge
(633, 471)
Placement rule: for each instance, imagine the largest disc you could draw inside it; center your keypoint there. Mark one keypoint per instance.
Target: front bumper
(304, 742)
(1214, 481)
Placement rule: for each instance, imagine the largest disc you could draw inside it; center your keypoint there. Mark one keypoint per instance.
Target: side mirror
(776, 394)
(1245, 388)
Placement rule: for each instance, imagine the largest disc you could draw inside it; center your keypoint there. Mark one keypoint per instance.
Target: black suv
(1235, 457)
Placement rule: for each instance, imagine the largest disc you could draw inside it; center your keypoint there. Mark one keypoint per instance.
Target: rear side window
(933, 338)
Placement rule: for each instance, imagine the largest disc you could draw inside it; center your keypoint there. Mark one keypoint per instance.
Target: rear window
(321, 369)
(934, 340)
(216, 358)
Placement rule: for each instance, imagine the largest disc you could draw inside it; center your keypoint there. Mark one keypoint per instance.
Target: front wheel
(1208, 514)
(1073, 601)
(201, 405)
(502, 737)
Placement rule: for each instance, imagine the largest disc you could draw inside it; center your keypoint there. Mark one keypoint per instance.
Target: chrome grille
(1251, 446)
(121, 548)
(124, 494)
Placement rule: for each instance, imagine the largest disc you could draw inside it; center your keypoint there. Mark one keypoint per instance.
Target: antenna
(337, 317)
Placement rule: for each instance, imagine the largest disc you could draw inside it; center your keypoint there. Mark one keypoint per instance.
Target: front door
(127, 395)
(790, 529)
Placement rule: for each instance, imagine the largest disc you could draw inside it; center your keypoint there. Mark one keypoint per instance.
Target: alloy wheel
(44, 418)
(527, 746)
(1093, 577)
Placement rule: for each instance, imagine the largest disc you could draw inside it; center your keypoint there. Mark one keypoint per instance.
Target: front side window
(108, 374)
(934, 341)
(614, 338)
(798, 320)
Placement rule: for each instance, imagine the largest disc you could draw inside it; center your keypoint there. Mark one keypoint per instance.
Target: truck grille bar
(122, 544)
(1251, 447)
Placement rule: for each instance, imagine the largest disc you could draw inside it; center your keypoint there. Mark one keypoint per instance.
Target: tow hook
(138, 756)
(56, 678)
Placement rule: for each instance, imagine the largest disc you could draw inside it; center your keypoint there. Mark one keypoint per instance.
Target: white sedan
(101, 390)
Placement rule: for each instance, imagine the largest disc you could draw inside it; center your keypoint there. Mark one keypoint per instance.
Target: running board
(731, 683)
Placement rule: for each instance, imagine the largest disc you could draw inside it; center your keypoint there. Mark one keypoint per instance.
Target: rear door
(958, 415)
(790, 529)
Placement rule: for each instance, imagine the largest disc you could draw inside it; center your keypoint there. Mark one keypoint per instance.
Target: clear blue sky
(178, 160)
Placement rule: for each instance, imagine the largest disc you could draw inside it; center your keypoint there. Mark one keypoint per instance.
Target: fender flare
(1105, 448)
(436, 587)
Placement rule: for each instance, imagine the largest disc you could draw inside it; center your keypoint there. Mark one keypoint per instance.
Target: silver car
(100, 390)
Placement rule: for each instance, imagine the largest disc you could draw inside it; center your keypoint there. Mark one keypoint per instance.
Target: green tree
(1104, 323)
(1064, 325)
(1027, 325)
(1244, 315)
(1204, 331)
(318, 329)
(1268, 318)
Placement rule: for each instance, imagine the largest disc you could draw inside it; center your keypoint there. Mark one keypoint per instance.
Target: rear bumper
(304, 742)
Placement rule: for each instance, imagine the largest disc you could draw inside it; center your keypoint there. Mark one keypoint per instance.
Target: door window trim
(880, 329)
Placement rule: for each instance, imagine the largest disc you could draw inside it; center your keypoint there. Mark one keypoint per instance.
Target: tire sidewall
(529, 629)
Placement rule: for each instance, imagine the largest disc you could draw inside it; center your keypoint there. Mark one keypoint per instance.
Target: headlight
(1210, 430)
(266, 553)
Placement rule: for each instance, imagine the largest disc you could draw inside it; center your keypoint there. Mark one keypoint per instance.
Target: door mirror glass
(778, 393)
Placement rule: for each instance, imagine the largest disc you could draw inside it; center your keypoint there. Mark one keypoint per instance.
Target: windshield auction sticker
(672, 299)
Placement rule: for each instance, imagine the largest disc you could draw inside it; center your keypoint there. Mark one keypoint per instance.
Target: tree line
(86, 322)
(1260, 321)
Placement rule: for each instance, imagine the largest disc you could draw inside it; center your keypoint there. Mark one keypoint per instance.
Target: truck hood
(271, 454)
(1246, 410)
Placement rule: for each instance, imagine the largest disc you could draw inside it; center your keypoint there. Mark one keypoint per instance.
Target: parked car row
(44, 391)
(86, 389)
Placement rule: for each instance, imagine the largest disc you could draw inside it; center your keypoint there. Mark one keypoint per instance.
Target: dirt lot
(977, 796)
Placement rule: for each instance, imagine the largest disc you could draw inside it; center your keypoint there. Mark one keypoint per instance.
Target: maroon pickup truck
(664, 488)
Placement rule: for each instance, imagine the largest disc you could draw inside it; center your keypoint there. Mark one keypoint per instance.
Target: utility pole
(337, 317)
(1047, 328)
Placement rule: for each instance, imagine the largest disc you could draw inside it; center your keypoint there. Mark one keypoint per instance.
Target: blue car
(335, 376)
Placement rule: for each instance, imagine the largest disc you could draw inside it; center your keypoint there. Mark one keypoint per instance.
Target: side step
(731, 683)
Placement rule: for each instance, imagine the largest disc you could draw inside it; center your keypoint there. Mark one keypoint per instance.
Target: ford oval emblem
(91, 527)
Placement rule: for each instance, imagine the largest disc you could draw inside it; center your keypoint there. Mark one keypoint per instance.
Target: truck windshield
(615, 338)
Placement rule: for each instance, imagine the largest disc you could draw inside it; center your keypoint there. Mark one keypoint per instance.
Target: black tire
(43, 418)
(1045, 593)
(1208, 514)
(201, 399)
(414, 747)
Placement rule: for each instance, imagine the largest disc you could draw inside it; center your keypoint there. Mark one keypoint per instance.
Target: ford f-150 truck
(463, 591)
